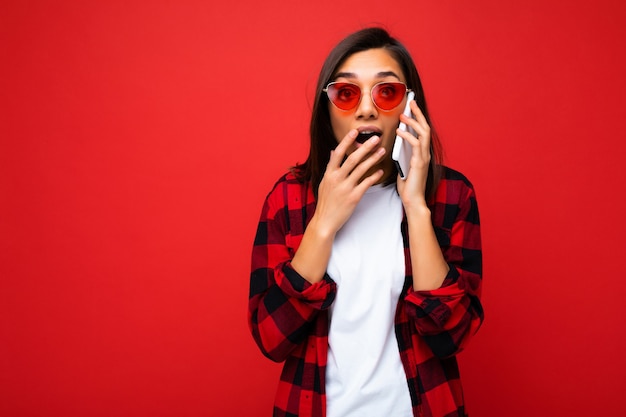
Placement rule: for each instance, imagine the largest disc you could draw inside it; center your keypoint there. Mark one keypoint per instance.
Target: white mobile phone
(402, 150)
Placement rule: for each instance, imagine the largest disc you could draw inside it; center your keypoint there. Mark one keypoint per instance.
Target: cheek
(340, 124)
(391, 122)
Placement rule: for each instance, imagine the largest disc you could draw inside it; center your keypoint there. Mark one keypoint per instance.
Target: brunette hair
(321, 134)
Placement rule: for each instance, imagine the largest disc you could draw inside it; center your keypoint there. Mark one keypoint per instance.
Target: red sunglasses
(385, 95)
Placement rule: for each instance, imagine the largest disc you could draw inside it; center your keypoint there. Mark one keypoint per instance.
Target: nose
(366, 108)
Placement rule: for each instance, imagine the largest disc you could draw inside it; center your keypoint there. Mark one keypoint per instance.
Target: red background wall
(139, 138)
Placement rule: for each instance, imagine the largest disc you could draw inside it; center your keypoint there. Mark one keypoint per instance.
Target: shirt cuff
(320, 295)
(434, 308)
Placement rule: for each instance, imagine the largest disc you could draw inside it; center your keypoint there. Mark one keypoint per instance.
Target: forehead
(370, 64)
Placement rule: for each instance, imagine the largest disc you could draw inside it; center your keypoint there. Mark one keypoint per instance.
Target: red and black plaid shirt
(288, 316)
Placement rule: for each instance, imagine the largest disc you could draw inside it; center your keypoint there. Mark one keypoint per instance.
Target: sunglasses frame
(325, 90)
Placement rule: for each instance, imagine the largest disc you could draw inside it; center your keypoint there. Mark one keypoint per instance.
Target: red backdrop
(139, 138)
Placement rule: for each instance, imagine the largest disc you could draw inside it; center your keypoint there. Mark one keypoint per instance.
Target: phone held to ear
(402, 151)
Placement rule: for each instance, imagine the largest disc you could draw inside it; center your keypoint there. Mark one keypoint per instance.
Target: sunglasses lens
(344, 95)
(388, 96)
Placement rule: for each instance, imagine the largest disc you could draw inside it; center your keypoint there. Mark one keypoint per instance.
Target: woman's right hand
(340, 190)
(345, 181)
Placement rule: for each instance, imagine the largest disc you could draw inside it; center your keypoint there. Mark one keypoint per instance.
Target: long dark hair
(321, 134)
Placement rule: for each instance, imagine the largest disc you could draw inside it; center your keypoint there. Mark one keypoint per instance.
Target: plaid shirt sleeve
(282, 304)
(447, 317)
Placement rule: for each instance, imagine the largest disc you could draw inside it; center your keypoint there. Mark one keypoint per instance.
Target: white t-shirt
(364, 375)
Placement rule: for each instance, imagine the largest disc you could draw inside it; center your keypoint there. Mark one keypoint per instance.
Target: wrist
(417, 209)
(418, 216)
(320, 231)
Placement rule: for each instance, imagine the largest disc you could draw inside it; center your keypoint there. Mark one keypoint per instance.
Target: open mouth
(363, 136)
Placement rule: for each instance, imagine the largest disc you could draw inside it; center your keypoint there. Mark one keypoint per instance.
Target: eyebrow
(381, 74)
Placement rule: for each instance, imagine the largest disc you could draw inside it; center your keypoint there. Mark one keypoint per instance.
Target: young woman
(367, 285)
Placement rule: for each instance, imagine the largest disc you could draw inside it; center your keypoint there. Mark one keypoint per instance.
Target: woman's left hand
(412, 189)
